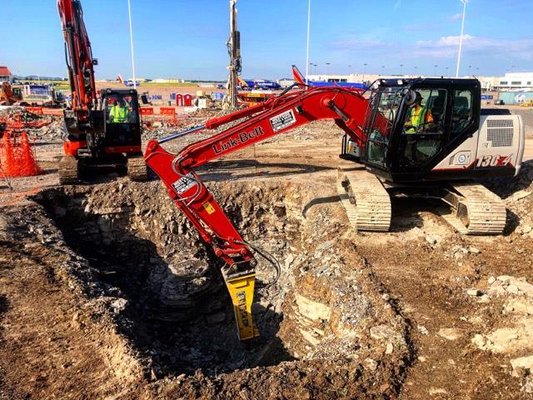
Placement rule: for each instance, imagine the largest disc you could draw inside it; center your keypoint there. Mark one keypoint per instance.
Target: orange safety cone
(8, 156)
(28, 165)
(17, 159)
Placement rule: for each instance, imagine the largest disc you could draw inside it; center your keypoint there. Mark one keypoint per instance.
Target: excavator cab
(122, 128)
(110, 138)
(426, 120)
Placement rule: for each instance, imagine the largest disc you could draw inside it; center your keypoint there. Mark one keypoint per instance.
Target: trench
(163, 287)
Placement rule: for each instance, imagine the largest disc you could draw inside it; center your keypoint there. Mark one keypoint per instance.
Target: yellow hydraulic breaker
(241, 290)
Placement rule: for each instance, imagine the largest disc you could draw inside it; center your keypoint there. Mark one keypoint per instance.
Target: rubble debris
(333, 315)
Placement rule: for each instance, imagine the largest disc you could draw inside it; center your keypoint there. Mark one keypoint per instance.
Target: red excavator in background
(103, 129)
(8, 96)
(436, 159)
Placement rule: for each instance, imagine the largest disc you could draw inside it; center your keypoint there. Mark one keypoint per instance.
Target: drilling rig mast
(234, 50)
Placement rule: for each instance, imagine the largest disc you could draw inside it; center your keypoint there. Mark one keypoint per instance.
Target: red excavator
(8, 95)
(437, 158)
(103, 128)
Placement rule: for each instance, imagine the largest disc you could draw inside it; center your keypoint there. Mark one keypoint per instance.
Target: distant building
(515, 81)
(5, 74)
(331, 78)
(285, 82)
(164, 80)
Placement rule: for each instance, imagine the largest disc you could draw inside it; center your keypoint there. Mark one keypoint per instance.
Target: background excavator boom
(79, 58)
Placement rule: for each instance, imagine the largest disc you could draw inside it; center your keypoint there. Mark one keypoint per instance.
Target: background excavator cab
(401, 152)
(127, 131)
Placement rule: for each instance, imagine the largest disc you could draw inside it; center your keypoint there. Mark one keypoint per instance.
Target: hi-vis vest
(417, 116)
(119, 114)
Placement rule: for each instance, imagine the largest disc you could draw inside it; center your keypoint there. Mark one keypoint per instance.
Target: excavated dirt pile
(141, 274)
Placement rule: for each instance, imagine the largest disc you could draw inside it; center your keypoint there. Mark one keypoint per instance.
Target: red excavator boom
(79, 58)
(275, 116)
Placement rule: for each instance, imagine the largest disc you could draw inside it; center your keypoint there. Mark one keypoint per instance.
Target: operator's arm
(429, 117)
(408, 125)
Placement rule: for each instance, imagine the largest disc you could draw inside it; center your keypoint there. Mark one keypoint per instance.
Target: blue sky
(186, 39)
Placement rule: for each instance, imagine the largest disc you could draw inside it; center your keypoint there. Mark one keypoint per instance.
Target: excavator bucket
(241, 290)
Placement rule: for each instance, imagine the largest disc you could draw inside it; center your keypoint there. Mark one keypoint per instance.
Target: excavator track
(477, 211)
(364, 198)
(137, 169)
(69, 170)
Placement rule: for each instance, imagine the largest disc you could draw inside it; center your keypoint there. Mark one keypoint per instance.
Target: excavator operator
(418, 116)
(119, 112)
(419, 120)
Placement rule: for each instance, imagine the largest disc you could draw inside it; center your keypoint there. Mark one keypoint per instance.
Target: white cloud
(456, 17)
(446, 46)
(446, 41)
(349, 44)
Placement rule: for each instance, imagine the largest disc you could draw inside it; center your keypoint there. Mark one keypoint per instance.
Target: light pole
(435, 70)
(327, 68)
(364, 70)
(308, 37)
(382, 70)
(401, 69)
(131, 45)
(461, 39)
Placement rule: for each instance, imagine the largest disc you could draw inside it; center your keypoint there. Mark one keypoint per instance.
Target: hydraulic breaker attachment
(241, 290)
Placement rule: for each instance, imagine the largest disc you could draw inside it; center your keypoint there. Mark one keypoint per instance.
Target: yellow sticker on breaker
(209, 208)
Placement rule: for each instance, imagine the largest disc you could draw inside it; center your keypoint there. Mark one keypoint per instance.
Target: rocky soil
(328, 329)
(96, 302)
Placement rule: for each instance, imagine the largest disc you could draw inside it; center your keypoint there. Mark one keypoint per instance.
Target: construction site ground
(421, 312)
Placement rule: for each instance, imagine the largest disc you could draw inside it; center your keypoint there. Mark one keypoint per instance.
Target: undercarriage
(471, 208)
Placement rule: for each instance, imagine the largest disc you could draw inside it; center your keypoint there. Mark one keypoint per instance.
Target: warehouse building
(515, 81)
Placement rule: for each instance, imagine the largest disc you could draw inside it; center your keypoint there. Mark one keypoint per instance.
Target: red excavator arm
(275, 116)
(79, 58)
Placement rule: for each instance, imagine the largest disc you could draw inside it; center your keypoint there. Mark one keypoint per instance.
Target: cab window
(385, 104)
(423, 127)
(462, 112)
(120, 109)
